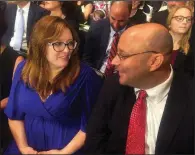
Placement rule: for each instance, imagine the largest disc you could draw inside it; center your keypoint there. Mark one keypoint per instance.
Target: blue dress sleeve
(13, 109)
(92, 88)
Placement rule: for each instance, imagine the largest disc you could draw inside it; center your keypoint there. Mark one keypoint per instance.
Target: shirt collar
(112, 32)
(157, 93)
(26, 7)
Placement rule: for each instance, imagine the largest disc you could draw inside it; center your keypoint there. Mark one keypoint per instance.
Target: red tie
(136, 131)
(110, 68)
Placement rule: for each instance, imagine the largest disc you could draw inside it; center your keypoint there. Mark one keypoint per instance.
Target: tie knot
(142, 94)
(20, 10)
(116, 34)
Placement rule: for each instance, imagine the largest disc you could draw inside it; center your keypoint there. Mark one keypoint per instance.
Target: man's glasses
(121, 57)
(189, 19)
(60, 46)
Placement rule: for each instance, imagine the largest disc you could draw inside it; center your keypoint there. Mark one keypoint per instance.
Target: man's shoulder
(10, 6)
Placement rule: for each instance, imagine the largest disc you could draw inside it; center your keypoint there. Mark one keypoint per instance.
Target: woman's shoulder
(19, 68)
(21, 65)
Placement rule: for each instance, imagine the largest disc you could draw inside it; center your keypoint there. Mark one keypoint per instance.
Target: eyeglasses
(181, 18)
(121, 57)
(60, 46)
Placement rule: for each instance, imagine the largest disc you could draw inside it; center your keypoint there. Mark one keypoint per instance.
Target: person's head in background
(52, 61)
(144, 55)
(171, 4)
(56, 8)
(98, 15)
(179, 23)
(119, 14)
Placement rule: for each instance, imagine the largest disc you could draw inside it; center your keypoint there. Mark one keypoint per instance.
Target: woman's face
(57, 53)
(51, 5)
(181, 21)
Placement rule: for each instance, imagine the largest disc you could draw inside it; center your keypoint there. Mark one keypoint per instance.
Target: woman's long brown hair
(36, 71)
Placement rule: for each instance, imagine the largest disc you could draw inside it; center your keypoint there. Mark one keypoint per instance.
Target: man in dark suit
(148, 108)
(31, 14)
(102, 34)
(161, 16)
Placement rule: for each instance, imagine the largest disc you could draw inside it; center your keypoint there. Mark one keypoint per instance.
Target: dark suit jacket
(108, 126)
(184, 63)
(138, 18)
(154, 4)
(35, 13)
(160, 17)
(96, 43)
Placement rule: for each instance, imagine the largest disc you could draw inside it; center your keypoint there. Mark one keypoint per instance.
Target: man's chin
(116, 30)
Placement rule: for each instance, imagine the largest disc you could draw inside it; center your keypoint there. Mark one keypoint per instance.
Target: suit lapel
(172, 115)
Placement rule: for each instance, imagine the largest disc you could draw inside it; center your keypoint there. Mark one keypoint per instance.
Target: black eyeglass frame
(128, 56)
(65, 44)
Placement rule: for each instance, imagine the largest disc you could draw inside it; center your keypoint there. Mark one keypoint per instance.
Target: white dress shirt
(111, 38)
(155, 101)
(25, 14)
(149, 15)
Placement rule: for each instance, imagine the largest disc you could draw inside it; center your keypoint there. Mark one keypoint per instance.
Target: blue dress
(52, 124)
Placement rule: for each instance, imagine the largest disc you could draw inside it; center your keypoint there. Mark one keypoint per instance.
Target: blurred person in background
(98, 15)
(137, 16)
(179, 23)
(20, 16)
(87, 9)
(60, 9)
(103, 36)
(52, 93)
(161, 17)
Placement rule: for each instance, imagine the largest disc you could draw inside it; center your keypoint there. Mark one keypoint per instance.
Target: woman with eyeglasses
(52, 93)
(179, 22)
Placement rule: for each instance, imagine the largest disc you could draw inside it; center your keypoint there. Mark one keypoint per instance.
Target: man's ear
(155, 61)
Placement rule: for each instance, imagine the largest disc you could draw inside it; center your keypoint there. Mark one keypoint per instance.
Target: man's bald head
(150, 36)
(119, 14)
(122, 5)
